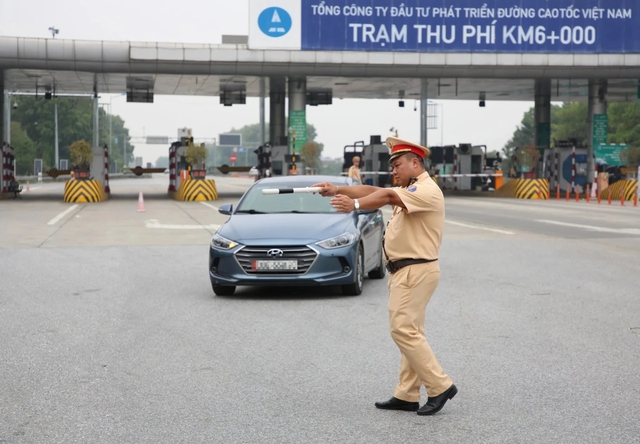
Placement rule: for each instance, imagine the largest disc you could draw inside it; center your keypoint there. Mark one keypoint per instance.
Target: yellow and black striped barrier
(192, 190)
(532, 189)
(625, 187)
(525, 189)
(83, 191)
(508, 189)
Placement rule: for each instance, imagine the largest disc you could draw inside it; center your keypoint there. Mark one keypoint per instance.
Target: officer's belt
(393, 266)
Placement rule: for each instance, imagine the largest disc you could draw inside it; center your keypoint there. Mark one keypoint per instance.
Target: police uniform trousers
(410, 290)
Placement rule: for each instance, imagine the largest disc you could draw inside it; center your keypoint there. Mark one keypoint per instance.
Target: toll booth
(374, 161)
(471, 161)
(375, 158)
(455, 165)
(565, 166)
(281, 161)
(179, 168)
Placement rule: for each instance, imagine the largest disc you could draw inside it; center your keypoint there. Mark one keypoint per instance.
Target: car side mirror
(226, 209)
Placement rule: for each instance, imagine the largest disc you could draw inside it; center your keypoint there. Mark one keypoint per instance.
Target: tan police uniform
(415, 233)
(354, 173)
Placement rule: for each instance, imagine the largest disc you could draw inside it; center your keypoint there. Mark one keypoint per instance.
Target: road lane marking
(633, 231)
(155, 223)
(213, 207)
(478, 227)
(61, 215)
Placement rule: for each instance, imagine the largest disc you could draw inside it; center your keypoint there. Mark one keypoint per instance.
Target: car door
(368, 224)
(377, 223)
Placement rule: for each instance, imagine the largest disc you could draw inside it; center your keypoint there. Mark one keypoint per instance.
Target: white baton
(291, 190)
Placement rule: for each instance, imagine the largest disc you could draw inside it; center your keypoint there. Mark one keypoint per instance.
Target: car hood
(285, 228)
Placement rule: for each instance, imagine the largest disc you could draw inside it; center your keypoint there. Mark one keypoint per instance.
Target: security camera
(401, 103)
(15, 105)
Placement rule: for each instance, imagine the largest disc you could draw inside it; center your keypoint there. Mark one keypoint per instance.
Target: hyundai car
(295, 239)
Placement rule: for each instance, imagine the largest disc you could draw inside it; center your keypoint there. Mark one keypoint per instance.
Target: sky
(205, 21)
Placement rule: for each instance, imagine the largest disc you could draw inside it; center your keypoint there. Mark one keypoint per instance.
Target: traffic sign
(233, 158)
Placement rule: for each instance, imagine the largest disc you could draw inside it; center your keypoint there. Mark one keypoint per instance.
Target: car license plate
(275, 265)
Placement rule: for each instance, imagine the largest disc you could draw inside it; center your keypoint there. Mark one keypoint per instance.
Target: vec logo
(274, 22)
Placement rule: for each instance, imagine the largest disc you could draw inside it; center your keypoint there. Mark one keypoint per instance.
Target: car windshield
(254, 202)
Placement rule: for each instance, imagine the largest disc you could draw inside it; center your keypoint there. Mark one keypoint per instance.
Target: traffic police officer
(411, 248)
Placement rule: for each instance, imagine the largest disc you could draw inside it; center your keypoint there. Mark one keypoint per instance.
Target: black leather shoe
(435, 404)
(398, 404)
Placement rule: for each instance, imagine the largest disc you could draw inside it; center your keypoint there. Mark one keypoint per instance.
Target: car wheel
(356, 288)
(381, 271)
(223, 290)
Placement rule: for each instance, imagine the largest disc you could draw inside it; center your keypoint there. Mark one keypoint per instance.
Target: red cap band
(397, 149)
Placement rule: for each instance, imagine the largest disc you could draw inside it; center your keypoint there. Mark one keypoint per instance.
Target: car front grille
(303, 254)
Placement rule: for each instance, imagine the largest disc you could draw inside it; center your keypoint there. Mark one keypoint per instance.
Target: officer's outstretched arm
(379, 198)
(354, 192)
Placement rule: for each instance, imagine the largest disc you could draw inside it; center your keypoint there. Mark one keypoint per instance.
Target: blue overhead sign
(497, 26)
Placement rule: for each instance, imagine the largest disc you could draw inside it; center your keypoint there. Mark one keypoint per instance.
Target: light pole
(55, 113)
(54, 31)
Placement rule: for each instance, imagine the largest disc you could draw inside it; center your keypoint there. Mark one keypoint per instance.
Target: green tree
(523, 135)
(25, 149)
(624, 123)
(570, 121)
(75, 122)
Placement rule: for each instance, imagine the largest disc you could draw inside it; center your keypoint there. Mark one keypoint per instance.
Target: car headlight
(339, 241)
(222, 243)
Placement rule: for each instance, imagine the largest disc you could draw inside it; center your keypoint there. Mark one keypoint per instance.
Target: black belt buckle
(391, 267)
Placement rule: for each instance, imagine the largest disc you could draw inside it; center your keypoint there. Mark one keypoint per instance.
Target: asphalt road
(110, 331)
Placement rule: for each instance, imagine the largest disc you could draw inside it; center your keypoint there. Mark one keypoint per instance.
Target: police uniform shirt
(354, 173)
(416, 232)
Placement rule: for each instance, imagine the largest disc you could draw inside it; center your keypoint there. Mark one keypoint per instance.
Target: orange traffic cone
(587, 195)
(141, 203)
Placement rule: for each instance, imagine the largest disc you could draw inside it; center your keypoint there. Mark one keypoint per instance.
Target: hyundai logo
(275, 252)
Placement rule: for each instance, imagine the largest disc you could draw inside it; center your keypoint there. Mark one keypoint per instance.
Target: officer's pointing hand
(327, 189)
(342, 203)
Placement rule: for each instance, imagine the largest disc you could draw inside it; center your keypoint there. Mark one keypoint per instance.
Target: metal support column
(4, 127)
(262, 110)
(55, 116)
(5, 122)
(97, 165)
(424, 101)
(277, 94)
(597, 105)
(542, 113)
(542, 120)
(297, 102)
